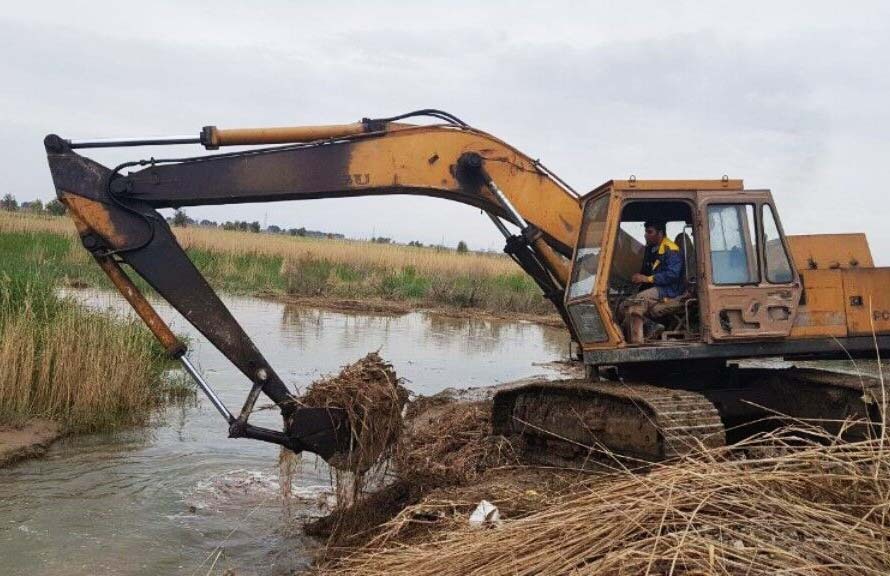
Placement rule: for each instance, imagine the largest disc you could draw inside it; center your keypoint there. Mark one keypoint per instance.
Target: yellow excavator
(750, 291)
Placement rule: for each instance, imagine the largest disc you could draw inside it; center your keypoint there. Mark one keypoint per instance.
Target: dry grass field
(246, 262)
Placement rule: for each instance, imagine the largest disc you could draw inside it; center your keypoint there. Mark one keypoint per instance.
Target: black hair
(659, 225)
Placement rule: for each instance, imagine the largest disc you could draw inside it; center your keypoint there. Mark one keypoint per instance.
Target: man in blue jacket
(661, 281)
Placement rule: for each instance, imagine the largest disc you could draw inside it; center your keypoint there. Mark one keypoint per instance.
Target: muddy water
(181, 498)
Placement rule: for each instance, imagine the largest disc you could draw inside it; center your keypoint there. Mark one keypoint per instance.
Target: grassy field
(249, 263)
(87, 370)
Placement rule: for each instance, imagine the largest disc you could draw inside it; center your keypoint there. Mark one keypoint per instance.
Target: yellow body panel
(669, 185)
(830, 251)
(823, 312)
(867, 301)
(844, 302)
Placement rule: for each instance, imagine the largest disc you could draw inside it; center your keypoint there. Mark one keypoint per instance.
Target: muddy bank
(29, 440)
(398, 308)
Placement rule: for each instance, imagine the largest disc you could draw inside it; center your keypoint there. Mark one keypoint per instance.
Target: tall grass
(88, 370)
(244, 262)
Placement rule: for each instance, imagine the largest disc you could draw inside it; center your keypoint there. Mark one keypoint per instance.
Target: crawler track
(567, 420)
(564, 419)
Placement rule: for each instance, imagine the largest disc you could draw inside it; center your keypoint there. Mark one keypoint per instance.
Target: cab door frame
(747, 310)
(594, 299)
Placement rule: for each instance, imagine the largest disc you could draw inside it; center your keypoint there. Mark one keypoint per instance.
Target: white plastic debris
(485, 514)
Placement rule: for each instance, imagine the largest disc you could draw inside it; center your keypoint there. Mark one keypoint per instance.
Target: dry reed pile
(372, 396)
(777, 503)
(451, 445)
(444, 445)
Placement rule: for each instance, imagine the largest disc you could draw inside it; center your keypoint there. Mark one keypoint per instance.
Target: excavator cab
(738, 280)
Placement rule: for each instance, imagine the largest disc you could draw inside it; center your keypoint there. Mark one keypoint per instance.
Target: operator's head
(655, 232)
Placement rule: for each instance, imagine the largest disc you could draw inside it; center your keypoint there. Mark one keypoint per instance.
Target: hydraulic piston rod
(208, 391)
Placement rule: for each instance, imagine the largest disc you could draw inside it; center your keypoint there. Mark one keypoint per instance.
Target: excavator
(751, 291)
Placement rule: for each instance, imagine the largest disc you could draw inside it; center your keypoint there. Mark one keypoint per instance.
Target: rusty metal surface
(632, 419)
(418, 160)
(143, 308)
(803, 348)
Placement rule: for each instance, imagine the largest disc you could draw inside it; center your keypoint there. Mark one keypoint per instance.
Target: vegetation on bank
(88, 370)
(247, 263)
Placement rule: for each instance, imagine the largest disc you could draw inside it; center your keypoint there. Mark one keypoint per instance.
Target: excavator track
(832, 400)
(571, 419)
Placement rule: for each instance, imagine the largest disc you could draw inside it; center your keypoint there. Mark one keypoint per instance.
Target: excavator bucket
(323, 431)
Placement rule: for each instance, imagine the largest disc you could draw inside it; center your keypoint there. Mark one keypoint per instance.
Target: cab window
(732, 234)
(590, 243)
(776, 265)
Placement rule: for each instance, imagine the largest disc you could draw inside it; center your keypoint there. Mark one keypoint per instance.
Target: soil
(29, 440)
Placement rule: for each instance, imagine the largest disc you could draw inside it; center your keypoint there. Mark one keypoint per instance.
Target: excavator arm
(116, 217)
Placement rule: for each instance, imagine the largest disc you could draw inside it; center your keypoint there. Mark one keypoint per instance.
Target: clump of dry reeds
(777, 503)
(452, 444)
(445, 444)
(372, 397)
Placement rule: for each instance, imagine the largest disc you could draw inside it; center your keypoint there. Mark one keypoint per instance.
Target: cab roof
(670, 185)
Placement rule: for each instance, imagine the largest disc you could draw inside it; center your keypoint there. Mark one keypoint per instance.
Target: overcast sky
(790, 96)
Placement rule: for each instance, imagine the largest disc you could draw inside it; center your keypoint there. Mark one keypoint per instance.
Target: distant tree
(254, 226)
(181, 219)
(381, 240)
(273, 229)
(416, 243)
(35, 206)
(9, 203)
(462, 247)
(208, 223)
(55, 207)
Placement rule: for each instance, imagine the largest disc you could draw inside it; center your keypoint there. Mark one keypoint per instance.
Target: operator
(661, 283)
